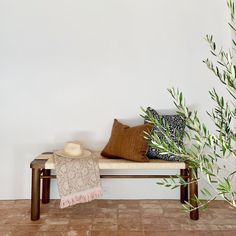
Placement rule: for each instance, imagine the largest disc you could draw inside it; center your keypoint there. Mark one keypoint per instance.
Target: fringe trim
(80, 197)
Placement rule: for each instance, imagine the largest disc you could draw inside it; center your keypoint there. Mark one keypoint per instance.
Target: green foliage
(208, 152)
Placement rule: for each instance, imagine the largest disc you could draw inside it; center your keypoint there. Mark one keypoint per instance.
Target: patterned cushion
(176, 124)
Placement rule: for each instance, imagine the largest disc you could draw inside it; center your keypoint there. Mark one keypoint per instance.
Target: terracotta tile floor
(116, 217)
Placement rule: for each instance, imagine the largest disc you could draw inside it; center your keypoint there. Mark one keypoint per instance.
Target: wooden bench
(42, 166)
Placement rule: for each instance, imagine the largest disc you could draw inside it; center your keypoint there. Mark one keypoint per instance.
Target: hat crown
(73, 148)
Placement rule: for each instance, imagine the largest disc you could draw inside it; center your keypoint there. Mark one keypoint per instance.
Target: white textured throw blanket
(78, 179)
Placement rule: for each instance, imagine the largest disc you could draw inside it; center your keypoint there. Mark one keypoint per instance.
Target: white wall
(68, 67)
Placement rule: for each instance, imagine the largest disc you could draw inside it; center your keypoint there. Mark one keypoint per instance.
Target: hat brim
(62, 153)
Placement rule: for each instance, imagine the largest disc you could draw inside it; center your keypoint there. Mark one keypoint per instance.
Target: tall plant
(210, 153)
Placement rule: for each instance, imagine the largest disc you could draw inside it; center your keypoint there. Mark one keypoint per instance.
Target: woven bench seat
(118, 164)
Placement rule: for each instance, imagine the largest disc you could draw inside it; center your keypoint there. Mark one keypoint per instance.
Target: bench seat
(121, 164)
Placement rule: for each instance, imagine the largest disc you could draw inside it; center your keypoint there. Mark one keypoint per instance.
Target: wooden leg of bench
(184, 189)
(46, 187)
(194, 215)
(35, 194)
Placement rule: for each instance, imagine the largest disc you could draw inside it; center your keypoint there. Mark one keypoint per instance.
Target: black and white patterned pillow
(176, 124)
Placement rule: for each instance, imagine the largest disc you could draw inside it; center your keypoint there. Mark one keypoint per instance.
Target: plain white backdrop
(69, 67)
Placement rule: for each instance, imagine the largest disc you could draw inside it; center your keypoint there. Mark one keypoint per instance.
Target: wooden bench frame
(40, 173)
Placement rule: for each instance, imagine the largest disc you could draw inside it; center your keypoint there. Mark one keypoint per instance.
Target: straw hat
(73, 149)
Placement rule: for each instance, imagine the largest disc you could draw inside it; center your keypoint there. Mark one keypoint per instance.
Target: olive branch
(208, 153)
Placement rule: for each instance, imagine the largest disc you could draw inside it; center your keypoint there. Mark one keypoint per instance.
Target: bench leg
(184, 189)
(194, 215)
(46, 187)
(35, 194)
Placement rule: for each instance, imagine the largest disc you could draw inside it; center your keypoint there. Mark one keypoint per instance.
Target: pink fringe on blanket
(85, 196)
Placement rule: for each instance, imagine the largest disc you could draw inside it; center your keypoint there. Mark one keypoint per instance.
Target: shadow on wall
(139, 120)
(20, 167)
(27, 152)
